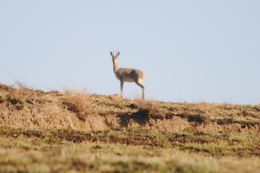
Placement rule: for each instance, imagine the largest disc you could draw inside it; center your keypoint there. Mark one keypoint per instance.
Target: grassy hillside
(78, 132)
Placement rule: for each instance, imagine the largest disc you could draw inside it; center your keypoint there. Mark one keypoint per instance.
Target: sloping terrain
(71, 109)
(80, 132)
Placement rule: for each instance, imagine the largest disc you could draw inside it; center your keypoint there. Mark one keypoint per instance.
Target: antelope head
(114, 55)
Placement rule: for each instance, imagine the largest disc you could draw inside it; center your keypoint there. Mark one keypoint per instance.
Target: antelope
(127, 74)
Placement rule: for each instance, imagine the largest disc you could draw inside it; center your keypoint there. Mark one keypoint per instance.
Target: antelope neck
(115, 66)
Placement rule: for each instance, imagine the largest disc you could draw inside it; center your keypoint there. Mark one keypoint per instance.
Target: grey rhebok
(127, 74)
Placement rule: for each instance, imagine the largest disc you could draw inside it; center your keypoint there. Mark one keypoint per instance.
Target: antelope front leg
(121, 86)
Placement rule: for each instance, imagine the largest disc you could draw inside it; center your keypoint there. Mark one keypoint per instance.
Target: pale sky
(189, 50)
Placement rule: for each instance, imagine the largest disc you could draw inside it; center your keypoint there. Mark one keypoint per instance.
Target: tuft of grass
(21, 85)
(80, 103)
(17, 99)
(204, 107)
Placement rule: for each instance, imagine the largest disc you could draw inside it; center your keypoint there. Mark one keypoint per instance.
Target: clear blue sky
(189, 50)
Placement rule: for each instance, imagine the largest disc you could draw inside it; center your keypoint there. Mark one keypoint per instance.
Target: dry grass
(106, 158)
(133, 150)
(34, 108)
(54, 132)
(80, 103)
(203, 107)
(150, 108)
(21, 85)
(16, 98)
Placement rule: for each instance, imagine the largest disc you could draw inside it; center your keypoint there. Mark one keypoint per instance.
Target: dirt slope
(29, 108)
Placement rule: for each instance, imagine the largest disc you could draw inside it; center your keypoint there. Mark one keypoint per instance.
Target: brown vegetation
(79, 132)
(79, 103)
(81, 111)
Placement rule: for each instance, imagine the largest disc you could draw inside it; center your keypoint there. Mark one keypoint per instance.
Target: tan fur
(127, 74)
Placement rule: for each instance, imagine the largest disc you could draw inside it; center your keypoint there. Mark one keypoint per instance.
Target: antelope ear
(111, 53)
(118, 54)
